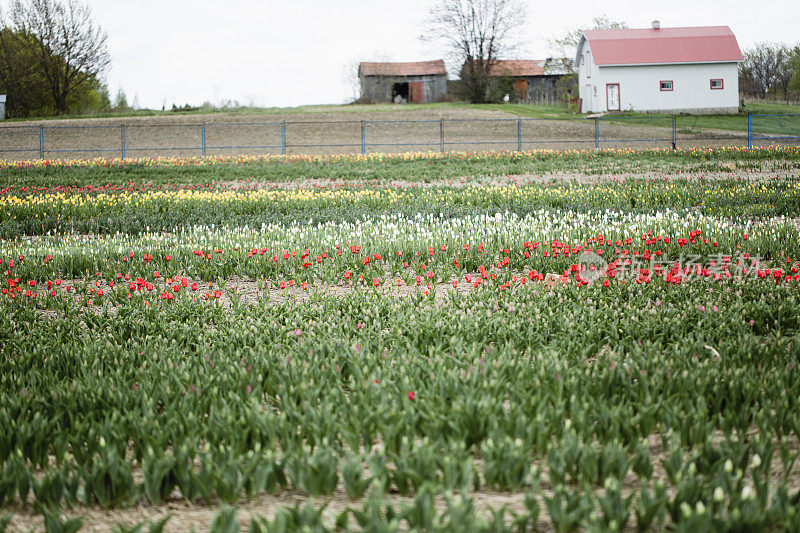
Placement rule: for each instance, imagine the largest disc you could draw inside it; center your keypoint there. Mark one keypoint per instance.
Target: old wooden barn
(418, 82)
(534, 80)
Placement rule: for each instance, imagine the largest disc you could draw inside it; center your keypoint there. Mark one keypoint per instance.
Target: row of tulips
(138, 210)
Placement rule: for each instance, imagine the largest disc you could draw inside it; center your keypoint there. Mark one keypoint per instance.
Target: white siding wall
(587, 86)
(639, 87)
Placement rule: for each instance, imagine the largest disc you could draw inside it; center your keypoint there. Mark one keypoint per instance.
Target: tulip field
(601, 341)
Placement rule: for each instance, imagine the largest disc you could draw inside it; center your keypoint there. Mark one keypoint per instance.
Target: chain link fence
(156, 139)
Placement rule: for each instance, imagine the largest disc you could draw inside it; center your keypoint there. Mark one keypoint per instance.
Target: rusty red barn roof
(419, 68)
(517, 67)
(703, 44)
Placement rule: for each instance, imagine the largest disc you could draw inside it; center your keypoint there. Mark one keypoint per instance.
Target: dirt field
(464, 129)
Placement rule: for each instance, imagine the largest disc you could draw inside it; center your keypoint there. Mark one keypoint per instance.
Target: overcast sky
(289, 53)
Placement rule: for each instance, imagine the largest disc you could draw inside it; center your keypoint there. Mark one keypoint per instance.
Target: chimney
(656, 25)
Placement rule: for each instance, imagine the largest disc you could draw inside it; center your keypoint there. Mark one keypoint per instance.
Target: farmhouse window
(666, 85)
(717, 84)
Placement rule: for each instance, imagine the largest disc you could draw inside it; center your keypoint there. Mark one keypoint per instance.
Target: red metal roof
(705, 44)
(517, 67)
(419, 68)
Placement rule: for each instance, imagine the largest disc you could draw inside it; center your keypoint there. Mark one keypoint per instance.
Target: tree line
(52, 59)
(771, 70)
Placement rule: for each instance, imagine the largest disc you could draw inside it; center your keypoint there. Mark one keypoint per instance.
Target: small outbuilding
(419, 82)
(533, 80)
(2, 107)
(671, 70)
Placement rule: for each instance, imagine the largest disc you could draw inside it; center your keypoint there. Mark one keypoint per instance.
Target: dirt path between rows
(551, 178)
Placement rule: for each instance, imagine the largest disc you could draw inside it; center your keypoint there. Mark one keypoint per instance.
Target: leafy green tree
(28, 82)
(20, 79)
(70, 49)
(90, 98)
(121, 101)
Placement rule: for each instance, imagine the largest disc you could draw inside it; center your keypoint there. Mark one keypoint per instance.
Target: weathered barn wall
(379, 88)
(520, 89)
(543, 88)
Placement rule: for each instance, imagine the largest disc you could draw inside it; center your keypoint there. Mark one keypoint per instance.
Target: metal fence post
(122, 140)
(519, 134)
(41, 141)
(749, 131)
(674, 133)
(441, 135)
(596, 132)
(283, 137)
(203, 139)
(363, 137)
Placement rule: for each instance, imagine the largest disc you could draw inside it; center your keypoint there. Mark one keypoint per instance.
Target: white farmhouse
(674, 70)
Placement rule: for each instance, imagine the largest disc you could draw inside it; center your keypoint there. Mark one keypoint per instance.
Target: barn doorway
(401, 90)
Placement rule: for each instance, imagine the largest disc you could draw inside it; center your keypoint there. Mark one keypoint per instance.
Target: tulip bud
(755, 462)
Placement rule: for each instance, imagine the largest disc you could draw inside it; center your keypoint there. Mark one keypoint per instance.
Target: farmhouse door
(612, 96)
(417, 95)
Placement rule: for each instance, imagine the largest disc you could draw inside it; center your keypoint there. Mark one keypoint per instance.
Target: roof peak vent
(656, 25)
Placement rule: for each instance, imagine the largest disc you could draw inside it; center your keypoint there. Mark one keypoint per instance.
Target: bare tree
(766, 70)
(565, 45)
(476, 33)
(349, 75)
(783, 74)
(71, 49)
(794, 82)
